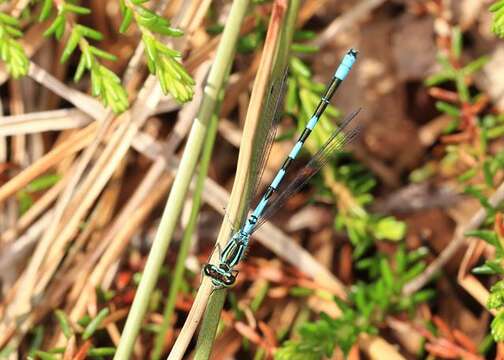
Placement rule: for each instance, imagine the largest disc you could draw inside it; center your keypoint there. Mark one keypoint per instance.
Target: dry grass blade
(236, 208)
(43, 121)
(361, 10)
(458, 240)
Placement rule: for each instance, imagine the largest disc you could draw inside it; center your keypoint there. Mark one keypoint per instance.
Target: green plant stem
(186, 240)
(209, 326)
(212, 314)
(171, 213)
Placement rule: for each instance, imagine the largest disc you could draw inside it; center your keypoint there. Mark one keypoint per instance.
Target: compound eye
(209, 270)
(229, 280)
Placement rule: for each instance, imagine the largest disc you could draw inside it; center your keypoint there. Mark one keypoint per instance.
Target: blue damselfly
(223, 274)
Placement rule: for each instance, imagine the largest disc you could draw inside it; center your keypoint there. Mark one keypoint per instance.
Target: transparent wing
(270, 117)
(336, 142)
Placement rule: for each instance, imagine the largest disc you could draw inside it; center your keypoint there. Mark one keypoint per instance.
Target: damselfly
(224, 274)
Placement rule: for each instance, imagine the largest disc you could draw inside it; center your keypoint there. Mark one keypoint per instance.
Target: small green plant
(367, 307)
(25, 196)
(469, 156)
(162, 61)
(494, 266)
(11, 51)
(80, 333)
(105, 84)
(498, 21)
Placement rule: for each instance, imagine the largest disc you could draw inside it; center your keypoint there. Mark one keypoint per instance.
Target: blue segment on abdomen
(295, 150)
(345, 66)
(312, 122)
(260, 207)
(277, 179)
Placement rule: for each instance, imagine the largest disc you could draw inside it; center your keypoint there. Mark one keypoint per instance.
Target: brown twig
(458, 240)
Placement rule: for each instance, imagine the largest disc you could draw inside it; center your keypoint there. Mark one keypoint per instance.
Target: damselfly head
(222, 276)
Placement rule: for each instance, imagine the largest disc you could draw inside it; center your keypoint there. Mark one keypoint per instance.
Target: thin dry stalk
(34, 211)
(458, 240)
(236, 209)
(38, 122)
(160, 153)
(112, 246)
(23, 299)
(349, 18)
(378, 349)
(74, 143)
(468, 281)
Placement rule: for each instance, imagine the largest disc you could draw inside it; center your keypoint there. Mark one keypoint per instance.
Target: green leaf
(214, 29)
(95, 324)
(38, 339)
(475, 65)
(43, 182)
(45, 355)
(456, 42)
(498, 5)
(9, 20)
(498, 20)
(150, 47)
(71, 45)
(389, 228)
(447, 108)
(100, 352)
(423, 296)
(303, 35)
(462, 88)
(103, 54)
(413, 272)
(488, 236)
(488, 173)
(57, 27)
(304, 49)
(496, 132)
(299, 68)
(45, 12)
(291, 96)
(13, 32)
(168, 31)
(81, 10)
(423, 173)
(89, 32)
(249, 43)
(127, 18)
(162, 48)
(11, 51)
(478, 194)
(298, 291)
(439, 78)
(64, 323)
(80, 69)
(491, 267)
(25, 202)
(386, 273)
(467, 175)
(496, 298)
(498, 327)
